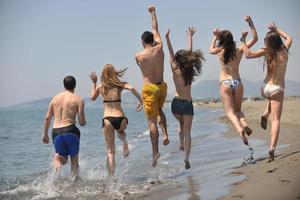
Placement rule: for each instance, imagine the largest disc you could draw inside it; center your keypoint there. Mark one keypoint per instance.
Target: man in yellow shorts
(151, 62)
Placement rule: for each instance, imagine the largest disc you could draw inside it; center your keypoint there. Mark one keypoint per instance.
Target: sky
(43, 41)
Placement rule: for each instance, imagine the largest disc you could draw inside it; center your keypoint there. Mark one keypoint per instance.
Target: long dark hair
(225, 40)
(273, 44)
(190, 64)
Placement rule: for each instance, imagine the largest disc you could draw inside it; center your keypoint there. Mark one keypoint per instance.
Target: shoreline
(279, 179)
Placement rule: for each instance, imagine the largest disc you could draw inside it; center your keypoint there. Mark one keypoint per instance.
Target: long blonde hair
(110, 78)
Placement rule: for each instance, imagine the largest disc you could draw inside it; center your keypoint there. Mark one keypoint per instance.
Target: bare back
(65, 108)
(182, 91)
(231, 69)
(276, 77)
(151, 62)
(113, 109)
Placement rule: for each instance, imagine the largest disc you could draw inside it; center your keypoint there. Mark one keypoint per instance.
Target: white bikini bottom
(270, 89)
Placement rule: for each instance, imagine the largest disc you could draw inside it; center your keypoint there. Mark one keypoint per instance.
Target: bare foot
(245, 140)
(166, 141)
(263, 122)
(181, 147)
(187, 164)
(125, 150)
(271, 155)
(155, 158)
(248, 130)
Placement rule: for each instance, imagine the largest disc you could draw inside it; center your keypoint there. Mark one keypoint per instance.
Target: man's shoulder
(57, 96)
(77, 97)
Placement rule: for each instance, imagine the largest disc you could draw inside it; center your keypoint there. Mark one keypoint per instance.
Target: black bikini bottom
(115, 121)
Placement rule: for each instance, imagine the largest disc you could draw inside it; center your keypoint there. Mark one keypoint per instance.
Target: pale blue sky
(42, 41)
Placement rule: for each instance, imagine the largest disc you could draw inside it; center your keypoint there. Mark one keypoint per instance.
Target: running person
(65, 135)
(231, 86)
(185, 65)
(114, 118)
(154, 92)
(276, 59)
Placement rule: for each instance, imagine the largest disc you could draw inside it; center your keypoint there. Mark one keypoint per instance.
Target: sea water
(26, 171)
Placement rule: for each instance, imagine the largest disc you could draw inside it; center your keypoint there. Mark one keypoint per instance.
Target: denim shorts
(182, 107)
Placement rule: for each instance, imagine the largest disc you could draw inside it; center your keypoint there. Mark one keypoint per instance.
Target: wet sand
(279, 179)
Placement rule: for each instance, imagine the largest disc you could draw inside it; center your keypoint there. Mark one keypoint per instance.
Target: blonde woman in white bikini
(276, 58)
(231, 87)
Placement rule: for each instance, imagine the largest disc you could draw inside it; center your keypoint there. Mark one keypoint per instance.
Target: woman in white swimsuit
(231, 87)
(276, 58)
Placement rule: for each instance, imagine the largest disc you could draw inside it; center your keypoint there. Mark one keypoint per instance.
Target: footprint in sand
(237, 196)
(272, 170)
(285, 181)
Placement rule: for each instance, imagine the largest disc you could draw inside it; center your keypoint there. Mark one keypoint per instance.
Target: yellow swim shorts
(154, 96)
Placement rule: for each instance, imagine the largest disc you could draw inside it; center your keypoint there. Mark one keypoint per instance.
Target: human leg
(109, 133)
(227, 100)
(162, 117)
(72, 142)
(60, 157)
(187, 124)
(276, 101)
(264, 117)
(58, 161)
(163, 125)
(122, 136)
(237, 102)
(74, 165)
(152, 124)
(180, 132)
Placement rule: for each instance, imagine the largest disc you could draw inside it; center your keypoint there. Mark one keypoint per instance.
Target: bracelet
(251, 24)
(243, 39)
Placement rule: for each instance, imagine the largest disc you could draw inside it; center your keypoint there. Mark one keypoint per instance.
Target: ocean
(26, 171)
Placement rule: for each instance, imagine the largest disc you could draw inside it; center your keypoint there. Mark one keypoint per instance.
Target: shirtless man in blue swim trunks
(65, 135)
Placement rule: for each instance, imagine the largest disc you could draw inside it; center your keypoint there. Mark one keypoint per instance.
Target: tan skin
(182, 92)
(274, 106)
(151, 62)
(113, 109)
(64, 107)
(232, 102)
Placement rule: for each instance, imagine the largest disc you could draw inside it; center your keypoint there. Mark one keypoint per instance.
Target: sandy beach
(279, 179)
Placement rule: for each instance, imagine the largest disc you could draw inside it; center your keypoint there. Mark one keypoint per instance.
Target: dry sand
(279, 179)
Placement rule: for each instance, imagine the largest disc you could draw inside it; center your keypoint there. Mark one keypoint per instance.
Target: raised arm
(47, 122)
(155, 32)
(172, 56)
(248, 53)
(81, 115)
(190, 32)
(251, 42)
(136, 94)
(213, 49)
(288, 39)
(170, 46)
(95, 91)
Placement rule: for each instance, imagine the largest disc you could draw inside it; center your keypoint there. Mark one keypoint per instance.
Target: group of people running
(186, 64)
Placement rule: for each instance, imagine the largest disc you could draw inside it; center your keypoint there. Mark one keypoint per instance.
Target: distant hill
(201, 90)
(127, 98)
(210, 88)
